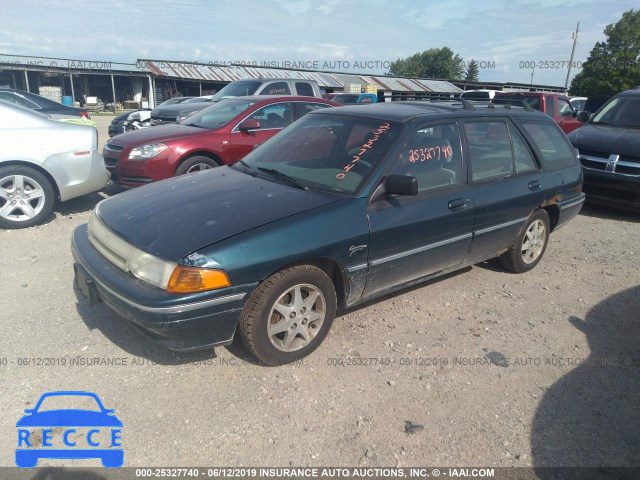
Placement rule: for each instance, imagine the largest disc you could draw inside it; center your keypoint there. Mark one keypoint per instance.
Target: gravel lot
(498, 369)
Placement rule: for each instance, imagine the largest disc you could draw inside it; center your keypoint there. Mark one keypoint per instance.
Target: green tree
(432, 63)
(473, 69)
(613, 65)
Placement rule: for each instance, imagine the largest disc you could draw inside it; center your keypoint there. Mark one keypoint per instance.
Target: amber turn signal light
(190, 280)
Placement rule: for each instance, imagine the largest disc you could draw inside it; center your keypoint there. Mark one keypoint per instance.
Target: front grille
(593, 165)
(110, 245)
(628, 165)
(110, 162)
(113, 147)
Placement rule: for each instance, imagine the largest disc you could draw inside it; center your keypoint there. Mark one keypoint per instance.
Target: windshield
(518, 101)
(66, 402)
(620, 111)
(327, 152)
(218, 115)
(197, 100)
(237, 89)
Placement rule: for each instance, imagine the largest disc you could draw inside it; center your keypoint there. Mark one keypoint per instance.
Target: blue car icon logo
(48, 431)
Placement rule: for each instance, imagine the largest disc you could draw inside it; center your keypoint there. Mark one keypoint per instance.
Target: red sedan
(220, 134)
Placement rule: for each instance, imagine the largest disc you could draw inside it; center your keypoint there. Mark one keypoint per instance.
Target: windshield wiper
(284, 176)
(601, 123)
(248, 168)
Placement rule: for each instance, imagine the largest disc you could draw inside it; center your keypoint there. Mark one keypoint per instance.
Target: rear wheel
(529, 246)
(289, 314)
(196, 164)
(26, 197)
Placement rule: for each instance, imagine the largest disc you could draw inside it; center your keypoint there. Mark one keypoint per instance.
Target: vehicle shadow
(85, 203)
(609, 213)
(126, 337)
(59, 473)
(591, 416)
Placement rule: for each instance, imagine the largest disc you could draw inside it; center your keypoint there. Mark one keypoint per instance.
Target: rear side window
(305, 89)
(551, 144)
(277, 88)
(551, 105)
(489, 150)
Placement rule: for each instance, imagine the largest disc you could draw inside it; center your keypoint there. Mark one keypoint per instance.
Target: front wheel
(26, 197)
(195, 164)
(289, 314)
(528, 247)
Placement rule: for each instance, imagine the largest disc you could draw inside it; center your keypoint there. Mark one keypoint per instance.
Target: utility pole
(573, 50)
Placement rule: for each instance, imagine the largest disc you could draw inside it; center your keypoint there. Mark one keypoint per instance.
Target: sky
(506, 37)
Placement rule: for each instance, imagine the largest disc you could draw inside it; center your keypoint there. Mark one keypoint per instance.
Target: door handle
(535, 185)
(458, 203)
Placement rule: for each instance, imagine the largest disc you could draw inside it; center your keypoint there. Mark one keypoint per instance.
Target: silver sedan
(43, 161)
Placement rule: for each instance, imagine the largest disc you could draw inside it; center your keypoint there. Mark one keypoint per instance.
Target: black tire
(260, 315)
(32, 180)
(191, 164)
(536, 230)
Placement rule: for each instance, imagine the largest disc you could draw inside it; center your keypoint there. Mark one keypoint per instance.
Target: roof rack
(466, 104)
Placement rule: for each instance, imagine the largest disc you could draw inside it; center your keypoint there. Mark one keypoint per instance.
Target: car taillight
(85, 114)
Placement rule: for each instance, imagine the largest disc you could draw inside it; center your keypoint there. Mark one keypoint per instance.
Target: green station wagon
(343, 206)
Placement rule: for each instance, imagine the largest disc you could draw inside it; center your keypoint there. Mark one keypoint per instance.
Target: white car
(482, 94)
(42, 161)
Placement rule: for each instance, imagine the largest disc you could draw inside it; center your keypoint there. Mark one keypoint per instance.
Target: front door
(415, 236)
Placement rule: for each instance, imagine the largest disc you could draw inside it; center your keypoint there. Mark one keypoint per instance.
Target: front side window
(277, 115)
(564, 108)
(326, 151)
(490, 152)
(433, 156)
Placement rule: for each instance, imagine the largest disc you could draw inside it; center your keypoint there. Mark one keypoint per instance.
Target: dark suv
(343, 206)
(609, 149)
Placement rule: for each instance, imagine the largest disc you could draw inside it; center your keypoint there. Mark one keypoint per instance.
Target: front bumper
(178, 322)
(612, 188)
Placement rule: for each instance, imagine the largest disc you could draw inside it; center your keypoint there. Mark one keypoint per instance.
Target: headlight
(150, 269)
(149, 150)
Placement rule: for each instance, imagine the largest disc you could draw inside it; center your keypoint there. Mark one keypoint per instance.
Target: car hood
(176, 217)
(69, 418)
(163, 133)
(176, 108)
(607, 139)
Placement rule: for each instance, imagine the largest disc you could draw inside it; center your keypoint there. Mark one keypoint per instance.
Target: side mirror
(583, 116)
(249, 124)
(29, 410)
(401, 185)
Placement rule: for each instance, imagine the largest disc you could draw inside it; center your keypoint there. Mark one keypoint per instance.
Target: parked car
(91, 415)
(221, 134)
(578, 103)
(355, 98)
(345, 205)
(258, 86)
(482, 94)
(42, 161)
(138, 118)
(54, 110)
(556, 106)
(609, 149)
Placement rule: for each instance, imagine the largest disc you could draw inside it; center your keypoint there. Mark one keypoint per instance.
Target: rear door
(415, 236)
(507, 183)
